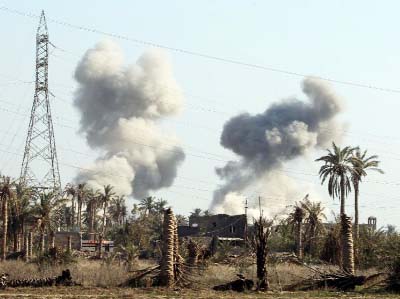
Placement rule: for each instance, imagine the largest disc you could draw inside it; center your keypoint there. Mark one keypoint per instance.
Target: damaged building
(220, 225)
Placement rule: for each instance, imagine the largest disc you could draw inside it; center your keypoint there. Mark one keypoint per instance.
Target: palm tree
(71, 190)
(160, 205)
(6, 194)
(361, 163)
(147, 204)
(24, 196)
(117, 209)
(82, 194)
(43, 210)
(93, 203)
(314, 214)
(339, 169)
(105, 198)
(295, 219)
(20, 211)
(196, 212)
(207, 213)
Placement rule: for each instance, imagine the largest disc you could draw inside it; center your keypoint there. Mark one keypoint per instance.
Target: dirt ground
(95, 292)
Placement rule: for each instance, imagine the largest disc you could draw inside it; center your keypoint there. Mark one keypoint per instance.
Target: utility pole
(40, 165)
(245, 225)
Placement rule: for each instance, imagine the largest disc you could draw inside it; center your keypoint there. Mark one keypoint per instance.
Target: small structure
(220, 225)
(61, 240)
(93, 245)
(372, 222)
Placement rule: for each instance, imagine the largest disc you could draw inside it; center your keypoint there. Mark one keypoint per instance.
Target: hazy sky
(353, 41)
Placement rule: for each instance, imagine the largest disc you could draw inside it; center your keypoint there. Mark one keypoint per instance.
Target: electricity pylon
(40, 165)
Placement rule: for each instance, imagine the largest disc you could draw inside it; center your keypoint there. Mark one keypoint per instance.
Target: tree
(147, 204)
(6, 194)
(117, 210)
(70, 190)
(261, 234)
(339, 169)
(160, 205)
(314, 214)
(105, 198)
(43, 209)
(92, 205)
(296, 220)
(361, 164)
(20, 209)
(196, 212)
(82, 196)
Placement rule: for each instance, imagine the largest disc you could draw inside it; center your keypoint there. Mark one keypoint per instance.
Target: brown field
(101, 280)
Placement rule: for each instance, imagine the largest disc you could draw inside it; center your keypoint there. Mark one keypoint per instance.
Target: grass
(100, 280)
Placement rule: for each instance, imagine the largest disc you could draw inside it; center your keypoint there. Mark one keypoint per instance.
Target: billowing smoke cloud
(264, 142)
(119, 106)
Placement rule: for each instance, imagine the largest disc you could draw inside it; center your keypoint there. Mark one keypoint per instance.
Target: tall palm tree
(6, 193)
(160, 205)
(82, 195)
(24, 195)
(92, 205)
(147, 204)
(20, 209)
(295, 219)
(70, 190)
(361, 163)
(339, 169)
(196, 212)
(43, 210)
(117, 209)
(314, 215)
(105, 198)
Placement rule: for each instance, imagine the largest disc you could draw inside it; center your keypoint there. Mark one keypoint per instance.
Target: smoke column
(120, 106)
(264, 142)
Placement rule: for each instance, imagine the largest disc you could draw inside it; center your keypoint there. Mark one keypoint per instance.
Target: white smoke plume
(287, 130)
(119, 106)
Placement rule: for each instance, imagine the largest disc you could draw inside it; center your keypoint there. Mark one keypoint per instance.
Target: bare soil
(96, 292)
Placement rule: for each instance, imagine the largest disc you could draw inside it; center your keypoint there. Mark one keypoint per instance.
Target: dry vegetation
(100, 279)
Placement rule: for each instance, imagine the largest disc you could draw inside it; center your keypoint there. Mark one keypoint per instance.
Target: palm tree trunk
(167, 261)
(342, 195)
(104, 219)
(312, 240)
(15, 241)
(80, 215)
(26, 247)
(5, 222)
(356, 226)
(73, 211)
(23, 232)
(41, 244)
(30, 244)
(347, 244)
(91, 221)
(100, 245)
(299, 240)
(52, 240)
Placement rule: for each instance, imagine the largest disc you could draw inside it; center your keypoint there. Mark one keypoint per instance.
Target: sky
(341, 40)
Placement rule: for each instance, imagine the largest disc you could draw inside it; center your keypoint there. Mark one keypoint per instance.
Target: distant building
(372, 222)
(61, 240)
(220, 225)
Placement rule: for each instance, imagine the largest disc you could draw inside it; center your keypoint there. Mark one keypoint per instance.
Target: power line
(199, 54)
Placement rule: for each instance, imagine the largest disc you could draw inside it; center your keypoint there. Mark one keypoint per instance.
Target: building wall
(61, 240)
(221, 225)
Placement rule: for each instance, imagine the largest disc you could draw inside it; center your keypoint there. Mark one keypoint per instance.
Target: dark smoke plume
(119, 106)
(264, 142)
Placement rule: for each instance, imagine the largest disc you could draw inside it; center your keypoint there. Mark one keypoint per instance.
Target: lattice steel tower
(40, 164)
